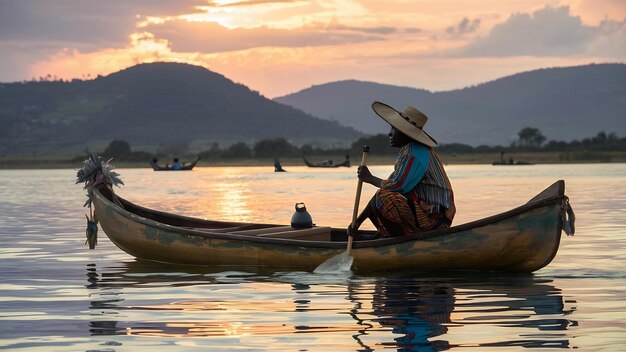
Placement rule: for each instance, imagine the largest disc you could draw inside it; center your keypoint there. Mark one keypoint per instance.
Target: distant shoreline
(8, 163)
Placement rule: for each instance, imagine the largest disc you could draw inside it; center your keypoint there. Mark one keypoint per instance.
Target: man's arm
(366, 176)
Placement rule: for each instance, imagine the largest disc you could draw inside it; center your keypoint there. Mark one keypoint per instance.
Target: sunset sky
(282, 46)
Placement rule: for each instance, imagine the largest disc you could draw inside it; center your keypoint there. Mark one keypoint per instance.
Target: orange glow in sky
(281, 46)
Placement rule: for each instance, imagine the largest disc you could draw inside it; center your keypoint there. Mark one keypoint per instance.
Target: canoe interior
(316, 233)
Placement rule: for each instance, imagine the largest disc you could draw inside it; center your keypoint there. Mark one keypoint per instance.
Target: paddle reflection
(404, 312)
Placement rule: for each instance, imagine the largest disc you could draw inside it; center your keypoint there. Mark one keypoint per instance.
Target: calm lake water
(57, 295)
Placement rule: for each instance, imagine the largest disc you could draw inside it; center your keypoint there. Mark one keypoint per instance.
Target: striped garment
(417, 196)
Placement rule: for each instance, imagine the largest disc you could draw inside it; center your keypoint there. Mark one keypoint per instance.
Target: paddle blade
(340, 262)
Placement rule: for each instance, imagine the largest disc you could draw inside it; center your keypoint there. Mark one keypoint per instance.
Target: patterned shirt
(419, 175)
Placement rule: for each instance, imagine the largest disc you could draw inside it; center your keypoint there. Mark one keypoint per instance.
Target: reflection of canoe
(402, 302)
(185, 167)
(327, 163)
(522, 239)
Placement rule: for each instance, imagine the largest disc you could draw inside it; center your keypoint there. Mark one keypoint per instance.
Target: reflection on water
(400, 311)
(57, 295)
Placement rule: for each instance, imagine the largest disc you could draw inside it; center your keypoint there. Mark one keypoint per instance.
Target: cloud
(210, 37)
(277, 46)
(375, 30)
(143, 47)
(546, 32)
(32, 23)
(86, 25)
(249, 3)
(612, 41)
(465, 26)
(35, 30)
(411, 30)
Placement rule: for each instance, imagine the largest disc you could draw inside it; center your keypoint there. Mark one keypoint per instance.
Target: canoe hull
(345, 163)
(521, 241)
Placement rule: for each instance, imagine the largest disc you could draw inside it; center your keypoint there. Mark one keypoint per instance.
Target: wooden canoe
(523, 239)
(328, 164)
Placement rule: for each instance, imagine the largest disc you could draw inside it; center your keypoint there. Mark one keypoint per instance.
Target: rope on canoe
(568, 218)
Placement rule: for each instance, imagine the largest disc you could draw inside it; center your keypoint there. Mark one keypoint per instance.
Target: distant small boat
(511, 161)
(327, 163)
(185, 167)
(278, 167)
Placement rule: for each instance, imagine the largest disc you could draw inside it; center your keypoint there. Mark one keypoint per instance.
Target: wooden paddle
(343, 262)
(357, 199)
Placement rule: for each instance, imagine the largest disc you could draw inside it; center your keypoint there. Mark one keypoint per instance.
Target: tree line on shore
(529, 140)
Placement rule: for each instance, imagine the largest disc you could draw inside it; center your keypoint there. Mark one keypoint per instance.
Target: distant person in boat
(176, 165)
(277, 166)
(417, 196)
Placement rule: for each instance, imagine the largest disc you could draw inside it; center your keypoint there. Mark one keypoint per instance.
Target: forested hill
(150, 105)
(563, 103)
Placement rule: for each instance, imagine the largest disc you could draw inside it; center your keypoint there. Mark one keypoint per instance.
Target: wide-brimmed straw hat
(410, 122)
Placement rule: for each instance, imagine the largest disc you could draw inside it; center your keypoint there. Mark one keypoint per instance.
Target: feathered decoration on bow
(96, 171)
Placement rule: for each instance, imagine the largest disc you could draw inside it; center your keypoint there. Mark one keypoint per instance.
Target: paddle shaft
(357, 199)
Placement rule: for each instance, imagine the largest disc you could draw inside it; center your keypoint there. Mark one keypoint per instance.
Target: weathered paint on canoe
(507, 245)
(523, 240)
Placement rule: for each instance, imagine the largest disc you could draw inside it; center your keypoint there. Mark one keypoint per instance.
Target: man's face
(397, 139)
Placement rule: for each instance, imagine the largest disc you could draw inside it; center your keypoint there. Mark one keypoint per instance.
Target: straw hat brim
(395, 119)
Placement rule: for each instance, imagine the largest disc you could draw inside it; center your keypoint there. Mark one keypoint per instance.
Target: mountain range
(159, 104)
(150, 105)
(563, 103)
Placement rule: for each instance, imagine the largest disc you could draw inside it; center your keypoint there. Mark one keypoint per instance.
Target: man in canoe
(417, 196)
(176, 165)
